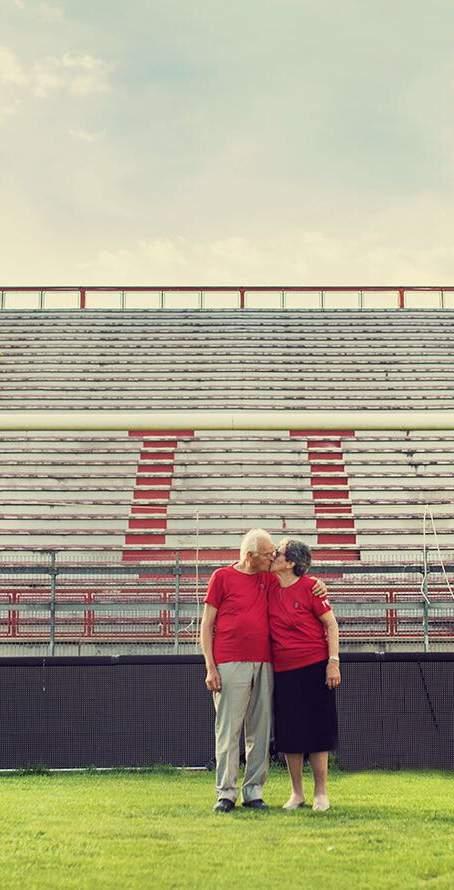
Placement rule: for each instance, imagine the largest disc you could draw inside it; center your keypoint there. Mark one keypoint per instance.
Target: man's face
(262, 559)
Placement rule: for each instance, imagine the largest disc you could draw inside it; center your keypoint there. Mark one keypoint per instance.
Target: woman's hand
(333, 675)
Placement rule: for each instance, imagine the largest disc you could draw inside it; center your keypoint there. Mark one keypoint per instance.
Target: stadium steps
(182, 358)
(159, 519)
(361, 494)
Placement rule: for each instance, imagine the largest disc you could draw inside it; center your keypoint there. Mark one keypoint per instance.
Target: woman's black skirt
(305, 718)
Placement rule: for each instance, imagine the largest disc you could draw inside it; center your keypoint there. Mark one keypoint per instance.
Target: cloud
(9, 109)
(77, 75)
(391, 249)
(258, 142)
(85, 135)
(12, 72)
(50, 13)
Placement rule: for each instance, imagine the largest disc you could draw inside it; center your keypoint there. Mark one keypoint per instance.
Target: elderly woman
(305, 651)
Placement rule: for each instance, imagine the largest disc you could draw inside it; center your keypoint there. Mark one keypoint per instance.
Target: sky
(260, 142)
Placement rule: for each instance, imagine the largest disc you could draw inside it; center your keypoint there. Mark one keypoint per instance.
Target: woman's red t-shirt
(241, 631)
(298, 637)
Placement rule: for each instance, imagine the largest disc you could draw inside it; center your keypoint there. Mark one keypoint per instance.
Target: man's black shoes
(257, 804)
(224, 805)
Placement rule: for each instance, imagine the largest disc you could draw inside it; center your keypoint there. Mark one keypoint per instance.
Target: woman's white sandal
(321, 804)
(293, 804)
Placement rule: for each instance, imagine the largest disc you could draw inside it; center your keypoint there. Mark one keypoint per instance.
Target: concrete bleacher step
(359, 491)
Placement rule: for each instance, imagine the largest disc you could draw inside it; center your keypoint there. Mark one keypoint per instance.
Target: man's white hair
(251, 540)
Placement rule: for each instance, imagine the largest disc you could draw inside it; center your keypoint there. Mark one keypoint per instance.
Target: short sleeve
(319, 604)
(215, 590)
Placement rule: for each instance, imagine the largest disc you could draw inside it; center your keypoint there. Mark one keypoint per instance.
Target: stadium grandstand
(107, 537)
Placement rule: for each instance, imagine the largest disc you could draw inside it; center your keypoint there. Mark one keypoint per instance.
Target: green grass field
(155, 829)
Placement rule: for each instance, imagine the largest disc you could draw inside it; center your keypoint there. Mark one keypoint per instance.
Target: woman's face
(279, 563)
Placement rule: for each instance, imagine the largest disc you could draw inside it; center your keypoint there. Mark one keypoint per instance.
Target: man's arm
(320, 588)
(213, 677)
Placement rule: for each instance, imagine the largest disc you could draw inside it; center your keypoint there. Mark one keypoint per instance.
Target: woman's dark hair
(299, 554)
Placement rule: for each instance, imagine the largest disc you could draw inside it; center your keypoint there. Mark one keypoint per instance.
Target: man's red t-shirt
(241, 631)
(298, 637)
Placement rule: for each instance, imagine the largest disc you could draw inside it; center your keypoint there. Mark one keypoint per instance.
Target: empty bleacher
(357, 498)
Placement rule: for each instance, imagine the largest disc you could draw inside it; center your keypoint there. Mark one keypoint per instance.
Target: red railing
(322, 297)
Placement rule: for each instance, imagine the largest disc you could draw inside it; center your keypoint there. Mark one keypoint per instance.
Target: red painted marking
(329, 480)
(148, 523)
(320, 508)
(152, 454)
(325, 455)
(336, 539)
(334, 523)
(151, 460)
(152, 467)
(340, 556)
(145, 539)
(153, 480)
(329, 494)
(149, 434)
(150, 493)
(153, 508)
(328, 468)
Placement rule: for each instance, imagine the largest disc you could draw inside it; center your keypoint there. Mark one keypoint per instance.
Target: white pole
(226, 420)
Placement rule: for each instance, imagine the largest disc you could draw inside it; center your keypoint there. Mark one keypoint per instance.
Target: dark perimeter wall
(395, 711)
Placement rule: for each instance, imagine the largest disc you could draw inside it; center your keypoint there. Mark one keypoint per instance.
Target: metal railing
(42, 298)
(47, 599)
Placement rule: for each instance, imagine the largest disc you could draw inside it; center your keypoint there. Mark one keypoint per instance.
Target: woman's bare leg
(295, 769)
(319, 764)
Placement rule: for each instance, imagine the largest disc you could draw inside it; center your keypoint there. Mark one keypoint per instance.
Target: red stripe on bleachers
(328, 523)
(326, 468)
(156, 508)
(329, 481)
(174, 434)
(150, 493)
(160, 522)
(160, 474)
(328, 508)
(341, 493)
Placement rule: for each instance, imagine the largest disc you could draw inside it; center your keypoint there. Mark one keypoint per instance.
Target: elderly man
(236, 646)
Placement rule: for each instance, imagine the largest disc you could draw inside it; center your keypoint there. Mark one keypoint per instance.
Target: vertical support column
(425, 612)
(401, 298)
(53, 604)
(82, 298)
(176, 611)
(242, 298)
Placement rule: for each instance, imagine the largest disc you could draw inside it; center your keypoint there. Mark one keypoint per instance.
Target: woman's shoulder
(305, 584)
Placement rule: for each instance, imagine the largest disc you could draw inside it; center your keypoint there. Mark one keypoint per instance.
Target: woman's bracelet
(334, 658)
